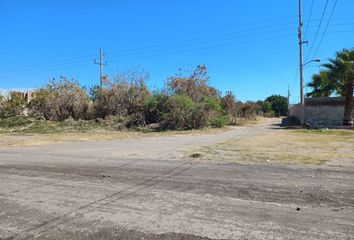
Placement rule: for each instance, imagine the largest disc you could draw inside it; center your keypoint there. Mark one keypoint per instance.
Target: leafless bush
(193, 84)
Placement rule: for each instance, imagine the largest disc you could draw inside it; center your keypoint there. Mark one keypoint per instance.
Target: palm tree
(321, 85)
(338, 77)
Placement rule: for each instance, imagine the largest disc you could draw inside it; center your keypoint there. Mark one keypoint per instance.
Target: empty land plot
(145, 188)
(25, 132)
(332, 147)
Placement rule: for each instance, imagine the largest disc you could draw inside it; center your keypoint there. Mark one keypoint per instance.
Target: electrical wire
(166, 53)
(309, 19)
(169, 49)
(129, 52)
(58, 58)
(318, 30)
(326, 28)
(82, 59)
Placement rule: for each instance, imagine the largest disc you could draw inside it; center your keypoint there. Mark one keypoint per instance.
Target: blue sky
(250, 47)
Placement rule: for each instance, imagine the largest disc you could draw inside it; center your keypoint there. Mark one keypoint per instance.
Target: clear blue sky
(249, 46)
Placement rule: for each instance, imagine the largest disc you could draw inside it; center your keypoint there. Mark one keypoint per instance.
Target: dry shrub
(60, 100)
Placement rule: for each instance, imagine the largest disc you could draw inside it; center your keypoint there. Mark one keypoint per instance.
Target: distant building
(26, 95)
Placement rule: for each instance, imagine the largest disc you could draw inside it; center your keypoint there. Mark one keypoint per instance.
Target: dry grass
(7, 140)
(56, 135)
(288, 147)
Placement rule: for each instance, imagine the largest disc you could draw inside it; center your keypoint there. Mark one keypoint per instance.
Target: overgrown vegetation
(13, 106)
(60, 100)
(187, 101)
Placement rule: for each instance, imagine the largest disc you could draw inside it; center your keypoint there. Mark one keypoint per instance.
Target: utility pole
(302, 98)
(101, 64)
(289, 99)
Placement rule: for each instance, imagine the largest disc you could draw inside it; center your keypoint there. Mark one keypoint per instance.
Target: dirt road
(146, 189)
(160, 147)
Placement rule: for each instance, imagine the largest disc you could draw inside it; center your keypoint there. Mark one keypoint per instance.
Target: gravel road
(147, 189)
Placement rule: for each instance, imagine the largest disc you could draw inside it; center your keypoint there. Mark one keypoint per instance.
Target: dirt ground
(332, 148)
(150, 187)
(35, 139)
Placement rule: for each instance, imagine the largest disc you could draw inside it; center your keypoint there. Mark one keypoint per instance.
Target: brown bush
(12, 106)
(60, 100)
(125, 95)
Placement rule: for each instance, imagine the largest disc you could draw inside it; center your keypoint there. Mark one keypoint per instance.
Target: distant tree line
(274, 105)
(187, 101)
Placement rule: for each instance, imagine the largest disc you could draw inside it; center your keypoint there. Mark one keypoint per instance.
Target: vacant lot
(24, 132)
(332, 147)
(149, 187)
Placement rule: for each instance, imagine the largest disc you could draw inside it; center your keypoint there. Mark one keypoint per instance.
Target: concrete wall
(298, 112)
(320, 111)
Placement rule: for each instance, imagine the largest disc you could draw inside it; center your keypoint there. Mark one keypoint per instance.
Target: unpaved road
(147, 189)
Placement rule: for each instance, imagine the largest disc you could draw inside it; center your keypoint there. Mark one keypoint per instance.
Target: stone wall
(321, 111)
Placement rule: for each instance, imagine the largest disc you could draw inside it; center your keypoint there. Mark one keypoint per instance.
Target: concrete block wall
(297, 111)
(324, 115)
(322, 111)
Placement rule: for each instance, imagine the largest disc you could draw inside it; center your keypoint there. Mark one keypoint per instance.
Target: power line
(156, 48)
(324, 33)
(211, 47)
(52, 69)
(211, 36)
(129, 52)
(165, 53)
(190, 42)
(211, 41)
(48, 64)
(74, 60)
(169, 52)
(59, 58)
(309, 19)
(318, 29)
(83, 59)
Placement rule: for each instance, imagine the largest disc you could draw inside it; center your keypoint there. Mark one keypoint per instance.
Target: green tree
(181, 110)
(155, 108)
(279, 104)
(338, 78)
(265, 105)
(321, 85)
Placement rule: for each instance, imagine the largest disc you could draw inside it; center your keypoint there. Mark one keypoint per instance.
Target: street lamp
(302, 97)
(313, 60)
